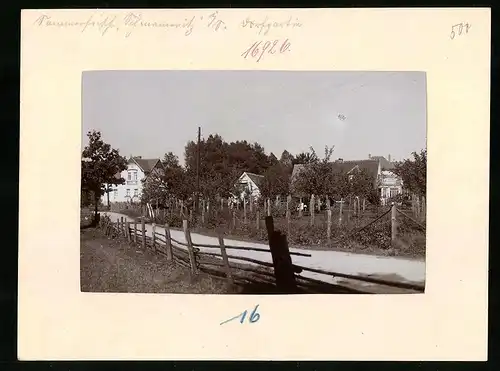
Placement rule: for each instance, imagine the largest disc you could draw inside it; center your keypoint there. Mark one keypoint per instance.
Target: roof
(256, 178)
(371, 166)
(384, 163)
(146, 164)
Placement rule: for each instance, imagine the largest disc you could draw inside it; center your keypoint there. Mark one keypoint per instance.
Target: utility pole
(197, 199)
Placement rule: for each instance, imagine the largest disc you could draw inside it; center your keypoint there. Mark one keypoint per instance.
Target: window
(129, 175)
(128, 192)
(135, 175)
(135, 191)
(394, 192)
(115, 193)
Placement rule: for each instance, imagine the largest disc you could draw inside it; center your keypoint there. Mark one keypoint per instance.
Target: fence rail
(281, 272)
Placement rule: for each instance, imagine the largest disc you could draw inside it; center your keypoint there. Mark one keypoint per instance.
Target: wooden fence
(218, 261)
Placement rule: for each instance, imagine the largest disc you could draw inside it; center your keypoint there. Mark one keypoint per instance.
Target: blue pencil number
(254, 316)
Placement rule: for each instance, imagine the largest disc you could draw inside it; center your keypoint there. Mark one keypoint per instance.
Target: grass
(110, 265)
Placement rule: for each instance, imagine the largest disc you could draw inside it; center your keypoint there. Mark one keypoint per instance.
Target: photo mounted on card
(232, 174)
(265, 205)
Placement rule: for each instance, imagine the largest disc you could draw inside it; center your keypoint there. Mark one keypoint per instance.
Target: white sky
(148, 113)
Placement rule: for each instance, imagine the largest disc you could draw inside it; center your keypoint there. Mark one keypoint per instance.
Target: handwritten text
(460, 28)
(131, 21)
(259, 48)
(265, 25)
(254, 316)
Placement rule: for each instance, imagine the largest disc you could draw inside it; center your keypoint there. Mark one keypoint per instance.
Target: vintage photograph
(253, 182)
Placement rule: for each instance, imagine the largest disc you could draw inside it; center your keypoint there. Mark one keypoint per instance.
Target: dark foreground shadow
(270, 289)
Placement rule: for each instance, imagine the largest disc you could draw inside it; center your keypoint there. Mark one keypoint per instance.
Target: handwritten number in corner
(458, 29)
(254, 316)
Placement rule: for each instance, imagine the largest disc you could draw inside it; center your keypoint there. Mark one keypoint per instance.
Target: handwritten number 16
(254, 316)
(255, 51)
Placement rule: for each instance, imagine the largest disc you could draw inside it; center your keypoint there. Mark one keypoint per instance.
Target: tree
(276, 181)
(306, 158)
(272, 159)
(100, 166)
(287, 158)
(319, 177)
(413, 172)
(170, 160)
(221, 163)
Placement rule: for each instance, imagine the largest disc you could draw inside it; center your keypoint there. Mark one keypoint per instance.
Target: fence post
(118, 226)
(311, 209)
(168, 242)
(187, 235)
(127, 226)
(234, 218)
(341, 211)
(245, 211)
(203, 212)
(153, 237)
(282, 261)
(268, 207)
(225, 259)
(143, 223)
(329, 224)
(257, 219)
(394, 226)
(364, 205)
(135, 231)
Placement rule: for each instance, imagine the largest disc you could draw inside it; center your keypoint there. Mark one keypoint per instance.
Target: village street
(399, 269)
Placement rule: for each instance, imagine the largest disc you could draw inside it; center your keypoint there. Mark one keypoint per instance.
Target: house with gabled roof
(138, 170)
(249, 184)
(391, 184)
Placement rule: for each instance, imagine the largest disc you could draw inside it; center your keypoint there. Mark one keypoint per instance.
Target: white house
(390, 185)
(137, 170)
(249, 184)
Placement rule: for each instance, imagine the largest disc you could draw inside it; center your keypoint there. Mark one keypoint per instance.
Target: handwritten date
(259, 48)
(459, 28)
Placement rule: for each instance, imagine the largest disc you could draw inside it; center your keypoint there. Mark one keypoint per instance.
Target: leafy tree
(272, 159)
(306, 158)
(276, 181)
(100, 166)
(170, 160)
(221, 163)
(323, 178)
(319, 177)
(287, 158)
(413, 172)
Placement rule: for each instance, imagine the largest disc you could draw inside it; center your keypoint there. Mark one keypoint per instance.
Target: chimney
(389, 158)
(369, 156)
(340, 160)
